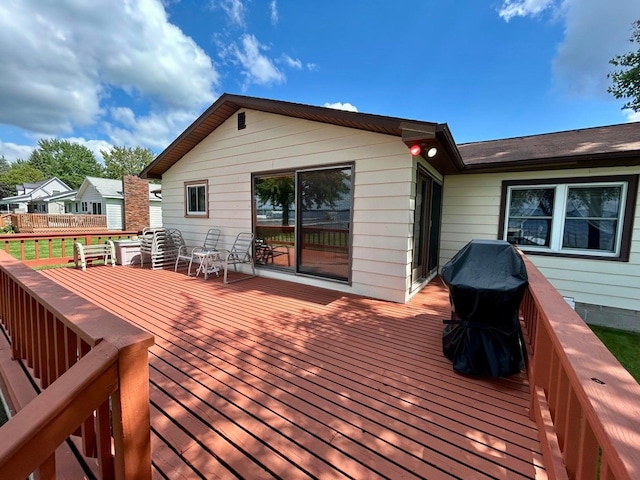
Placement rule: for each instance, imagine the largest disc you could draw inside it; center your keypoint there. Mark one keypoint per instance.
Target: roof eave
(228, 104)
(600, 160)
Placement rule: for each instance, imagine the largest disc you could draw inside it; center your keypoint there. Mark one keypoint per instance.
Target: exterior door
(324, 222)
(426, 227)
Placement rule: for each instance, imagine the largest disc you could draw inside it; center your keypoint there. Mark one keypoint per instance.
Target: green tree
(70, 162)
(626, 81)
(121, 161)
(279, 192)
(318, 189)
(20, 172)
(5, 166)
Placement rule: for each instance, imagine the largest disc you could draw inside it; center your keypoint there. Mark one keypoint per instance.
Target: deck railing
(93, 370)
(47, 222)
(586, 405)
(52, 248)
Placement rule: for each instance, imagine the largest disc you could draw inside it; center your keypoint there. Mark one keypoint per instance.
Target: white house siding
(55, 186)
(471, 209)
(383, 175)
(113, 211)
(155, 214)
(90, 195)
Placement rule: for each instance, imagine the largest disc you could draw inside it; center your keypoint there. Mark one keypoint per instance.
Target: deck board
(270, 379)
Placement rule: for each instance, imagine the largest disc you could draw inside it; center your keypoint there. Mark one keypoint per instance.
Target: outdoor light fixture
(417, 150)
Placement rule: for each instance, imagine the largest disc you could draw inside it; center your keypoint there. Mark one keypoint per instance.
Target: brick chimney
(136, 203)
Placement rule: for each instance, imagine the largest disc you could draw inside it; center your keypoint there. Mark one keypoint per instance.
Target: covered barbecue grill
(486, 280)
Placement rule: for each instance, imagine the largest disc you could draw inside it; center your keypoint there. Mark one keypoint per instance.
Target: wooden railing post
(131, 423)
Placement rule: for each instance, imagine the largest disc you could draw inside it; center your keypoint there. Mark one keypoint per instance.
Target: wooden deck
(270, 379)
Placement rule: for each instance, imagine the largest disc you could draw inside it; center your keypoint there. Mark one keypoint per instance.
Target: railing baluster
(105, 457)
(41, 361)
(88, 428)
(572, 428)
(562, 403)
(59, 348)
(22, 324)
(588, 453)
(29, 330)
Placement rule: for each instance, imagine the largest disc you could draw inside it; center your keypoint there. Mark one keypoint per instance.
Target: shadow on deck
(271, 379)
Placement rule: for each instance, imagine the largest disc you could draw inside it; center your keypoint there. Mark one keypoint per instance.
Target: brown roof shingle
(598, 146)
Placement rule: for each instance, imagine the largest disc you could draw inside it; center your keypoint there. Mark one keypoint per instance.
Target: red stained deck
(271, 379)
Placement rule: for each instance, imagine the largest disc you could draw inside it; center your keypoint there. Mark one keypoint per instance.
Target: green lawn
(43, 245)
(624, 345)
(30, 248)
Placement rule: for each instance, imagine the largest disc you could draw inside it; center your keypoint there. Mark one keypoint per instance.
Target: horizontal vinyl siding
(155, 214)
(383, 176)
(471, 209)
(114, 213)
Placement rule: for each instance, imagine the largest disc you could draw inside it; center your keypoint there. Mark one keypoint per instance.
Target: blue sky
(107, 72)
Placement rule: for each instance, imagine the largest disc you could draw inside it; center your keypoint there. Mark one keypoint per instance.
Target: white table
(209, 262)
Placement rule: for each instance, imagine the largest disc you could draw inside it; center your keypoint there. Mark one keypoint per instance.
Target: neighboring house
(368, 215)
(104, 196)
(40, 197)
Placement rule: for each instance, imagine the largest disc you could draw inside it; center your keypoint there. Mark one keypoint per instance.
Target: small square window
(196, 199)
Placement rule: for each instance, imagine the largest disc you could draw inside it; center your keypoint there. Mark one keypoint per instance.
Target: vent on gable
(242, 120)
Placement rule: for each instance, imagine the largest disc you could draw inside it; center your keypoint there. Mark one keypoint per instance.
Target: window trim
(629, 205)
(196, 214)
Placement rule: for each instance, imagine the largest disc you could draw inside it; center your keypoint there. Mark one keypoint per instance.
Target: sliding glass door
(324, 222)
(307, 214)
(426, 226)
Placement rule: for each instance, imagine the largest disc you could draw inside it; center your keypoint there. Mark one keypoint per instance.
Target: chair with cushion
(195, 254)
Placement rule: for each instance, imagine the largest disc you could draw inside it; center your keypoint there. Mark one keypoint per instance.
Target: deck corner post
(131, 421)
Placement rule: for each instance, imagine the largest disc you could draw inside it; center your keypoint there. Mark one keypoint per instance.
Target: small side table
(209, 262)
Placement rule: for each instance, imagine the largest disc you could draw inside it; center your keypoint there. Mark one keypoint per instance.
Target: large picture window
(571, 216)
(196, 204)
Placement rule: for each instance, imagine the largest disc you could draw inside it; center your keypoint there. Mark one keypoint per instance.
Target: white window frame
(191, 185)
(558, 218)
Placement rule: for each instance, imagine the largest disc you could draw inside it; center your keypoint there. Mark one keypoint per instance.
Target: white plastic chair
(188, 253)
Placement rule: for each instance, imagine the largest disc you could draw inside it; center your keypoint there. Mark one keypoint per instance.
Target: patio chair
(265, 253)
(241, 252)
(161, 245)
(189, 254)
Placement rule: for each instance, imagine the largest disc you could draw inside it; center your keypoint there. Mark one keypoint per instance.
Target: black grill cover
(486, 281)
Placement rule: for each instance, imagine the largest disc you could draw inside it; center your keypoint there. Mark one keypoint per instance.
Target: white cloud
(292, 62)
(13, 151)
(155, 130)
(273, 8)
(342, 106)
(631, 115)
(256, 67)
(523, 8)
(62, 60)
(594, 32)
(234, 9)
(94, 145)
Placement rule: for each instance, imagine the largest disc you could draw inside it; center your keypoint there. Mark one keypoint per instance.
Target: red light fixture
(415, 150)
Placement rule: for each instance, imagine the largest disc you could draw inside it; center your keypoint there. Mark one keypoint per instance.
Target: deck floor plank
(270, 379)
